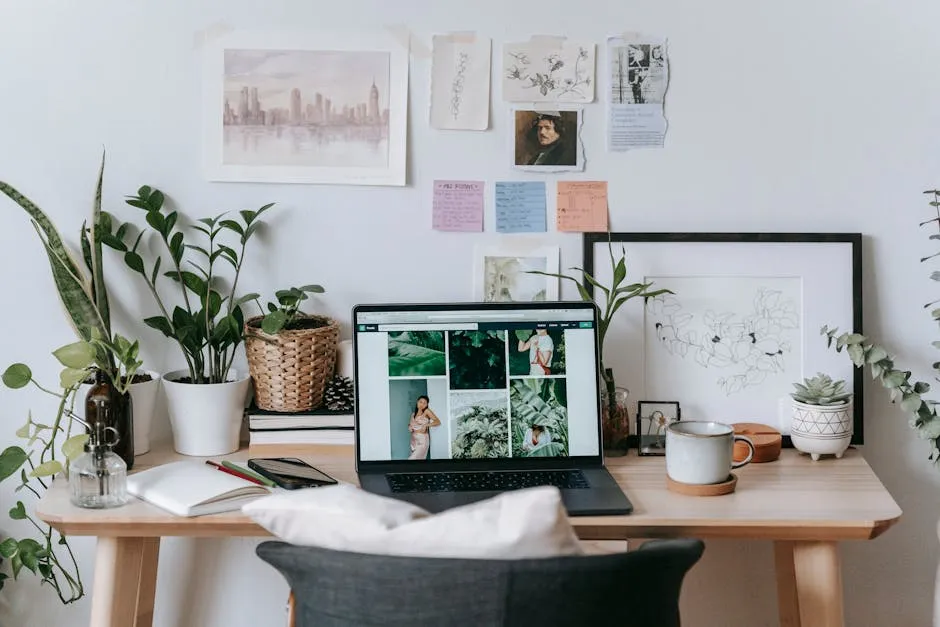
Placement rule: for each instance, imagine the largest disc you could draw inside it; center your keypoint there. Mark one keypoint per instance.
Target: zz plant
(208, 325)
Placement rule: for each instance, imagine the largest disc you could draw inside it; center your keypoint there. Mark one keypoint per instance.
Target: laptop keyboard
(485, 481)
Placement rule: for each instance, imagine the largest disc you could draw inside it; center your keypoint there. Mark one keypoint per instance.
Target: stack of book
(319, 426)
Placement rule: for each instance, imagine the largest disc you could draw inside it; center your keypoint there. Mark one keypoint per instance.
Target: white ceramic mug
(700, 453)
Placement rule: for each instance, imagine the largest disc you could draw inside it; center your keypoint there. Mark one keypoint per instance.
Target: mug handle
(750, 454)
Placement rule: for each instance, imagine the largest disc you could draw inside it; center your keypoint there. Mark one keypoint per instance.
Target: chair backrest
(339, 589)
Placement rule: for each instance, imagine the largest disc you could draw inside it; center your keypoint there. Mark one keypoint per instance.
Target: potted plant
(291, 355)
(84, 297)
(616, 418)
(205, 400)
(822, 417)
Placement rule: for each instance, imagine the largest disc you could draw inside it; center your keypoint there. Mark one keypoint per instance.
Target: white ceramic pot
(144, 399)
(206, 419)
(819, 430)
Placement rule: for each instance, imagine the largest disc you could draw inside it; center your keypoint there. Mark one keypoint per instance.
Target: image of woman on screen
(422, 419)
(535, 436)
(540, 347)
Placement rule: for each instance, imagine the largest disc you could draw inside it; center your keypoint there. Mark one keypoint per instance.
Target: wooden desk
(806, 508)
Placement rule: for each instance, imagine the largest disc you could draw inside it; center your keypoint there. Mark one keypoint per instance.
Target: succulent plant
(821, 390)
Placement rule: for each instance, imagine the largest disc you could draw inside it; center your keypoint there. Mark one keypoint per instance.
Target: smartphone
(290, 473)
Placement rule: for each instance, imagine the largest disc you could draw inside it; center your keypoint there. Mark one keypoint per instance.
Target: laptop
(456, 403)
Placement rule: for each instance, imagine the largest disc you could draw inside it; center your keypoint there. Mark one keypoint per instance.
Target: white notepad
(193, 488)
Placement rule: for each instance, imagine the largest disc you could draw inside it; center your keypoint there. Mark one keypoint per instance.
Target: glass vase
(616, 421)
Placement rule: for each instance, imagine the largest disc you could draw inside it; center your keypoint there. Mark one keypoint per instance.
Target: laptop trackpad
(436, 502)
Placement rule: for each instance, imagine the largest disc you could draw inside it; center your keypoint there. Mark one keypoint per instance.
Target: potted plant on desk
(822, 417)
(205, 400)
(84, 297)
(291, 355)
(615, 415)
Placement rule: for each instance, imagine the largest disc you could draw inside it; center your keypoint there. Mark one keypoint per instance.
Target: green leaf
(8, 548)
(195, 283)
(155, 200)
(70, 377)
(876, 354)
(274, 322)
(155, 219)
(313, 289)
(78, 355)
(232, 225)
(857, 354)
(161, 324)
(246, 298)
(11, 459)
(17, 376)
(171, 221)
(25, 430)
(893, 379)
(74, 446)
(134, 261)
(176, 246)
(156, 270)
(620, 272)
(910, 402)
(113, 242)
(854, 338)
(47, 469)
(18, 512)
(921, 387)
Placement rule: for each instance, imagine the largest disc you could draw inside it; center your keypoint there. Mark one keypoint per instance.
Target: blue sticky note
(520, 207)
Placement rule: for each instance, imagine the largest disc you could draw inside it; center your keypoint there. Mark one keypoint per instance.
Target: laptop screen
(439, 382)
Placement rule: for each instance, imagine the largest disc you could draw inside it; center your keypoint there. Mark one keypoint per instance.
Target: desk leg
(809, 586)
(125, 575)
(147, 589)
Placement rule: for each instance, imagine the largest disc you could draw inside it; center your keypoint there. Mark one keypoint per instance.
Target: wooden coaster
(711, 489)
(767, 442)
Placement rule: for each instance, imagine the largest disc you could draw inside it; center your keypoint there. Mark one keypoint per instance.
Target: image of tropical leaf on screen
(539, 417)
(482, 432)
(477, 360)
(416, 354)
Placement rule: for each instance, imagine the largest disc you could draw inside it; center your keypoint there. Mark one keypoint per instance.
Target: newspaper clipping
(639, 76)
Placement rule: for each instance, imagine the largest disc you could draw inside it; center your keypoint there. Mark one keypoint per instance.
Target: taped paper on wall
(460, 82)
(548, 70)
(639, 77)
(520, 207)
(547, 141)
(582, 206)
(458, 206)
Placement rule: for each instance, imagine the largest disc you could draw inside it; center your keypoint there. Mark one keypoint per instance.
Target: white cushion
(527, 523)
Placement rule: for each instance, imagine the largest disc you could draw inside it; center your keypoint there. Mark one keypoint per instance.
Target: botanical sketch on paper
(505, 276)
(704, 324)
(311, 108)
(535, 72)
(460, 83)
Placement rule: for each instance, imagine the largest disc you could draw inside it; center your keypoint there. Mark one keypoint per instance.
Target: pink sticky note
(582, 206)
(458, 206)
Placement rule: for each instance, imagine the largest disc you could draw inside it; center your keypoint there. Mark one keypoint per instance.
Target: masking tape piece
(632, 35)
(463, 37)
(408, 41)
(548, 41)
(211, 33)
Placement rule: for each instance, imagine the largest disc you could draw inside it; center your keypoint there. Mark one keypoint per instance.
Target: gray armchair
(338, 589)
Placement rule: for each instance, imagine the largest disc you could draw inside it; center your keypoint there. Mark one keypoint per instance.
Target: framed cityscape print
(323, 107)
(742, 323)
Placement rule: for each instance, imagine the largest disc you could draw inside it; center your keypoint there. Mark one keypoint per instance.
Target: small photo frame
(652, 418)
(547, 140)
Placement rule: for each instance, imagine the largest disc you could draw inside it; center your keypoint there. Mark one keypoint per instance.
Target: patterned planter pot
(819, 430)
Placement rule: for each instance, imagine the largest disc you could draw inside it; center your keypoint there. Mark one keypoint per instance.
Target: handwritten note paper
(458, 206)
(520, 207)
(582, 206)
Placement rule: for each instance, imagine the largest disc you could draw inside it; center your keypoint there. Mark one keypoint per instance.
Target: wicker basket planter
(290, 370)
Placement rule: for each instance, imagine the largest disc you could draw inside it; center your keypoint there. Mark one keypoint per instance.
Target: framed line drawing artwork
(317, 108)
(743, 322)
(502, 273)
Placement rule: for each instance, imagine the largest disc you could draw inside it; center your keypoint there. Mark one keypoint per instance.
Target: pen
(232, 472)
(249, 473)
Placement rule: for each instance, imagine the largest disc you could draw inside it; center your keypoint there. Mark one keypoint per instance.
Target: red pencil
(232, 472)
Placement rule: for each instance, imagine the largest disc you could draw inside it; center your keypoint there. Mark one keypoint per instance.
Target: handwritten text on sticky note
(582, 206)
(520, 207)
(458, 206)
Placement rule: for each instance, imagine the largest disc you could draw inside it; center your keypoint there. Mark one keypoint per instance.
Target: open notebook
(192, 488)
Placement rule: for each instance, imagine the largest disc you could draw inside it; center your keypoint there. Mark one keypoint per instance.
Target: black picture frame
(654, 443)
(853, 242)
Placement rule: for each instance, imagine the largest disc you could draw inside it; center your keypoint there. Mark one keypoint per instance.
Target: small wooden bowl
(767, 442)
(710, 489)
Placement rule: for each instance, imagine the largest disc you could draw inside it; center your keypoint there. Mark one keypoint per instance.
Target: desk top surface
(792, 498)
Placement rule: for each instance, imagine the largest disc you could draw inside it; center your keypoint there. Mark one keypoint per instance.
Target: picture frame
(737, 296)
(500, 272)
(547, 139)
(298, 107)
(652, 419)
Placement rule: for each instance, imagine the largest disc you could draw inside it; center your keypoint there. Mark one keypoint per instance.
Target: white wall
(800, 115)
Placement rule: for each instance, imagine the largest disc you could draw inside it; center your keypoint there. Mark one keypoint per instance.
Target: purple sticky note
(458, 206)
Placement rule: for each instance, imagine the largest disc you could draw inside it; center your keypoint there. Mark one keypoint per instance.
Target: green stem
(159, 301)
